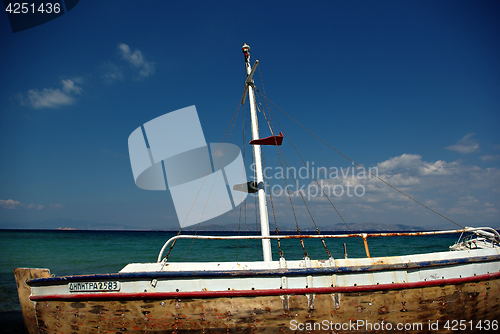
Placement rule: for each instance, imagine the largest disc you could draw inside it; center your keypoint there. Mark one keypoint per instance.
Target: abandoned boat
(432, 292)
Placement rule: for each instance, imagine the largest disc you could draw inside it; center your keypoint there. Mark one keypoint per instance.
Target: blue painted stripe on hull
(259, 273)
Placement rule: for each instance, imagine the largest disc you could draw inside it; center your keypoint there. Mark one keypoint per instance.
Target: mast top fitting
(246, 49)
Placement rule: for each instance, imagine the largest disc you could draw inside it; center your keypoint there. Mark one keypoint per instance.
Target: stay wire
(244, 130)
(272, 207)
(269, 122)
(323, 191)
(243, 124)
(302, 197)
(305, 165)
(256, 206)
(366, 170)
(233, 122)
(236, 112)
(291, 203)
(269, 184)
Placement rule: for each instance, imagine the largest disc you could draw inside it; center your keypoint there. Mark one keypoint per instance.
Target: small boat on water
(436, 292)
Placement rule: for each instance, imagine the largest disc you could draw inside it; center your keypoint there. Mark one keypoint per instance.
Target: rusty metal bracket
(366, 244)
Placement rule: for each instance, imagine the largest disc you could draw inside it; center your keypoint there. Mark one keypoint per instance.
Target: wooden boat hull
(416, 310)
(383, 295)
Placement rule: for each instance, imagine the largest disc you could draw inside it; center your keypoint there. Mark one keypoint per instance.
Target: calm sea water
(92, 252)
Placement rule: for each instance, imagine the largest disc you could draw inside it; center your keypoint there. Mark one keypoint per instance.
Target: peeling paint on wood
(471, 301)
(24, 292)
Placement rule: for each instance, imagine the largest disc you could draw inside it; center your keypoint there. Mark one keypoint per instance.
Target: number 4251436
(461, 325)
(26, 7)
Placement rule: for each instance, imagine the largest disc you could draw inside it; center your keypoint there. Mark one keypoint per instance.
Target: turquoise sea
(90, 252)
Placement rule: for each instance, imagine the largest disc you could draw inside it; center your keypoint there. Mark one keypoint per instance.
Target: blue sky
(411, 88)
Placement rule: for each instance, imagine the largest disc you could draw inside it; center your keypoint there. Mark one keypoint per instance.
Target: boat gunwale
(265, 292)
(281, 272)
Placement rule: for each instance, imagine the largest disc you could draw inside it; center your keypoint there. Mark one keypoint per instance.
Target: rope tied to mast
(231, 126)
(358, 165)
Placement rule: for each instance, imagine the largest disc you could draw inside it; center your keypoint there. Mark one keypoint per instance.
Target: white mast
(264, 220)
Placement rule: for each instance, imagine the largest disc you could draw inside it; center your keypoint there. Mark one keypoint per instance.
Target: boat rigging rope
(305, 165)
(358, 165)
(235, 115)
(272, 207)
(269, 121)
(291, 203)
(300, 192)
(233, 123)
(244, 130)
(280, 152)
(256, 205)
(267, 178)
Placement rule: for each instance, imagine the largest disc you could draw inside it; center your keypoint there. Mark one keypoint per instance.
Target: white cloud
(9, 204)
(52, 97)
(464, 192)
(69, 87)
(12, 204)
(35, 207)
(48, 98)
(136, 59)
(489, 157)
(491, 210)
(465, 145)
(113, 73)
(468, 201)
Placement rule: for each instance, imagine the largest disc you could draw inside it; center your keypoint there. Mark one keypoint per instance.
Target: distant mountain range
(70, 224)
(355, 227)
(333, 227)
(65, 224)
